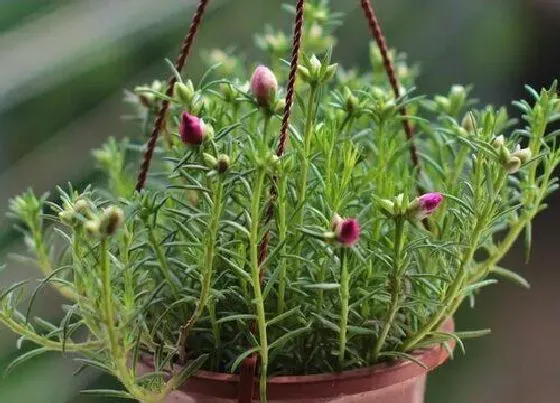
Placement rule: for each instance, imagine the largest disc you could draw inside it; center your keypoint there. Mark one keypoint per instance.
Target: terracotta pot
(400, 382)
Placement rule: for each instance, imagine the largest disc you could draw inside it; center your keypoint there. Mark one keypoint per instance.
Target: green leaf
(241, 357)
(510, 275)
(285, 337)
(473, 334)
(322, 286)
(233, 318)
(403, 356)
(22, 358)
(283, 316)
(189, 370)
(476, 286)
(119, 394)
(94, 364)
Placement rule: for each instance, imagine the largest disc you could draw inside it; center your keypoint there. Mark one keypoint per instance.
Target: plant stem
(344, 306)
(162, 260)
(396, 285)
(107, 296)
(208, 268)
(282, 232)
(255, 276)
(305, 160)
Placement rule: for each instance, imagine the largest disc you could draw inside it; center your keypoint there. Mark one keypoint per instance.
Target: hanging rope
(377, 34)
(160, 117)
(248, 368)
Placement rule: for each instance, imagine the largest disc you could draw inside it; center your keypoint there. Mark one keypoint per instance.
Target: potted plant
(305, 245)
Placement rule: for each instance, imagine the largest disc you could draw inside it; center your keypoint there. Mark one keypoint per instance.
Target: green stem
(344, 306)
(107, 296)
(255, 276)
(282, 232)
(396, 286)
(210, 250)
(302, 186)
(162, 260)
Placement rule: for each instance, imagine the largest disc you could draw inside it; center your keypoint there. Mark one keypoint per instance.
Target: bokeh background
(65, 63)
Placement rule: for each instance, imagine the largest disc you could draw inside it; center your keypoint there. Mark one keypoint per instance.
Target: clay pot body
(400, 382)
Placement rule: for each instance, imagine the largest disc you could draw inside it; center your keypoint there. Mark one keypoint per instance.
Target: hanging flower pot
(306, 233)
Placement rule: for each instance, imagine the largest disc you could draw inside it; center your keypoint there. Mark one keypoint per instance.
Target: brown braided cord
(160, 117)
(296, 46)
(248, 366)
(377, 34)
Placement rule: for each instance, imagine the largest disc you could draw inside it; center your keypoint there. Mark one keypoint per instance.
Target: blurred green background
(65, 63)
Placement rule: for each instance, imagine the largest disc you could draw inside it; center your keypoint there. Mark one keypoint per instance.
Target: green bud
(304, 73)
(330, 72)
(111, 220)
(512, 165)
(315, 67)
(279, 107)
(524, 154)
(387, 207)
(223, 163)
(184, 92)
(209, 160)
(498, 141)
(468, 123)
(91, 229)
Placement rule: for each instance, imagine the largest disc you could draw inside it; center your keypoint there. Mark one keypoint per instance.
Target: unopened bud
(512, 165)
(111, 220)
(264, 86)
(524, 154)
(209, 160)
(498, 141)
(192, 129)
(423, 206)
(91, 228)
(468, 123)
(184, 92)
(223, 163)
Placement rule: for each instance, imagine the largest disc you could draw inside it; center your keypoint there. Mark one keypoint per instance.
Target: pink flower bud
(191, 129)
(425, 205)
(347, 231)
(264, 85)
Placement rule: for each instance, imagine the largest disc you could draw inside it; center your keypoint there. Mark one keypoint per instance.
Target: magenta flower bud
(191, 129)
(425, 205)
(264, 85)
(347, 231)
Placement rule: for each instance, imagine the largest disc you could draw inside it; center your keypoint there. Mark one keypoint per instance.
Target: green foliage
(178, 264)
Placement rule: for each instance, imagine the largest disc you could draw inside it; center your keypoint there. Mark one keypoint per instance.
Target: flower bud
(192, 129)
(184, 92)
(315, 65)
(512, 165)
(423, 206)
(91, 228)
(498, 141)
(280, 106)
(468, 123)
(387, 207)
(524, 154)
(209, 160)
(330, 72)
(347, 231)
(111, 220)
(223, 163)
(264, 86)
(336, 221)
